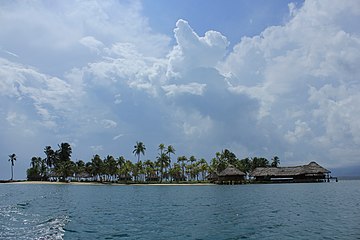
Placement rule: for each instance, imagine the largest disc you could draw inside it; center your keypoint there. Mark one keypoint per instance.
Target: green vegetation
(58, 166)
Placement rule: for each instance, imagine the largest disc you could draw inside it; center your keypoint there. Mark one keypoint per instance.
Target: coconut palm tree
(97, 167)
(12, 159)
(149, 169)
(121, 161)
(175, 173)
(137, 171)
(66, 169)
(161, 148)
(50, 156)
(89, 169)
(64, 152)
(214, 163)
(259, 162)
(182, 160)
(139, 148)
(33, 173)
(245, 165)
(203, 167)
(63, 164)
(275, 161)
(43, 169)
(110, 167)
(163, 162)
(125, 170)
(79, 169)
(170, 150)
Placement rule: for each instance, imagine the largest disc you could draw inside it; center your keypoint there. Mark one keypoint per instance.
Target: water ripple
(285, 211)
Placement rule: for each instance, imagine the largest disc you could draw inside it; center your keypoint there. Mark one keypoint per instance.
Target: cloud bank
(102, 81)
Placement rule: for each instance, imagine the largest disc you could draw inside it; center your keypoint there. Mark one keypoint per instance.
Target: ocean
(269, 211)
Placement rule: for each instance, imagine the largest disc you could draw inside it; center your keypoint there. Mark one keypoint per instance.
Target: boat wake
(16, 223)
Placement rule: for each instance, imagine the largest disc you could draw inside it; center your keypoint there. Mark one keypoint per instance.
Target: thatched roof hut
(231, 175)
(231, 171)
(83, 175)
(311, 171)
(212, 177)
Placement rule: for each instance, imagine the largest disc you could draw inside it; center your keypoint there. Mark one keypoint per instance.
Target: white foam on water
(15, 223)
(51, 229)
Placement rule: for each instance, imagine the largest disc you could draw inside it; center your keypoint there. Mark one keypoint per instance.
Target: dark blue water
(283, 211)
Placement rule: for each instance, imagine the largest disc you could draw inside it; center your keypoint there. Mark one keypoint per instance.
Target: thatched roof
(311, 168)
(83, 175)
(212, 176)
(231, 171)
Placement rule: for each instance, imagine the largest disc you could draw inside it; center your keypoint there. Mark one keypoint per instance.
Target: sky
(260, 78)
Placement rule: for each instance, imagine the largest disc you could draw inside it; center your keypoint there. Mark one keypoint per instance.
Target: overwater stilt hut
(311, 172)
(231, 175)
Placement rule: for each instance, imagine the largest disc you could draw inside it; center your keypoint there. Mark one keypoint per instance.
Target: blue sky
(261, 78)
(234, 19)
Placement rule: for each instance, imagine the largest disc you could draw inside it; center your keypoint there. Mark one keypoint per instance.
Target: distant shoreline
(106, 183)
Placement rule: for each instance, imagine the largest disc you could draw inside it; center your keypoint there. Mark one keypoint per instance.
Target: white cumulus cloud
(193, 51)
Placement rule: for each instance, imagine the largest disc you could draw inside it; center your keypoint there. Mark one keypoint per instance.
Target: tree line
(57, 165)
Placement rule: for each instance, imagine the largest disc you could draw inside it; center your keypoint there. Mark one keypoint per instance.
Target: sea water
(271, 211)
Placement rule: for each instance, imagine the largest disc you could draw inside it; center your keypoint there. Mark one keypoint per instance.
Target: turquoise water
(273, 211)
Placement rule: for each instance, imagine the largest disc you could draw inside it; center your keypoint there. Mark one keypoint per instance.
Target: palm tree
(89, 169)
(65, 170)
(275, 161)
(170, 150)
(64, 152)
(149, 168)
(214, 163)
(259, 162)
(63, 163)
(79, 169)
(12, 159)
(43, 169)
(33, 173)
(110, 167)
(125, 170)
(97, 167)
(182, 160)
(138, 171)
(121, 161)
(175, 173)
(139, 148)
(246, 165)
(161, 148)
(50, 156)
(163, 162)
(203, 166)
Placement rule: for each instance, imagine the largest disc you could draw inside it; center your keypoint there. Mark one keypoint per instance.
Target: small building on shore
(213, 177)
(311, 172)
(231, 175)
